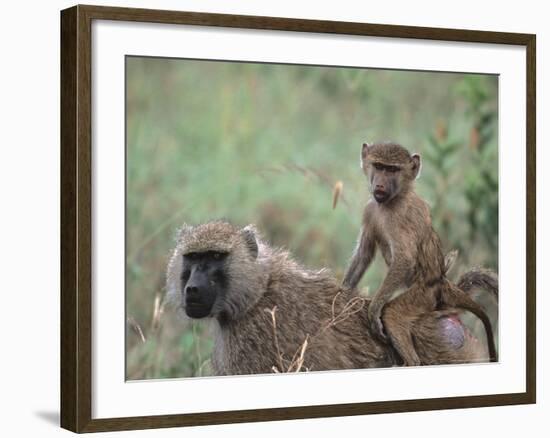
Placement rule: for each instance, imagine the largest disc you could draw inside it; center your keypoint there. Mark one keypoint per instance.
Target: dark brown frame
(76, 217)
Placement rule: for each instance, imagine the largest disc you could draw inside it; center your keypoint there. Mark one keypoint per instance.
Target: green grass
(265, 144)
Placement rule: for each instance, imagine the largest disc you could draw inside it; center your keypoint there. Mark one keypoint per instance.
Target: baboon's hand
(375, 324)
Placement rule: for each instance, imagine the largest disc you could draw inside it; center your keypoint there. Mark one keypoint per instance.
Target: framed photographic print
(306, 218)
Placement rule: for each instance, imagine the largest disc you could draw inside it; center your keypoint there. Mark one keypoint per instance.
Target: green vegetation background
(265, 144)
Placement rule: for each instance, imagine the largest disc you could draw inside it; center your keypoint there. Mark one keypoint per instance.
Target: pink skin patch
(454, 331)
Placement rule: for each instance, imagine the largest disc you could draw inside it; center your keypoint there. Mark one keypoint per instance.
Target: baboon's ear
(416, 165)
(249, 236)
(450, 259)
(182, 231)
(364, 153)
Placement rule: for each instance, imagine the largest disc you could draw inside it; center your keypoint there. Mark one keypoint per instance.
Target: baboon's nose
(192, 293)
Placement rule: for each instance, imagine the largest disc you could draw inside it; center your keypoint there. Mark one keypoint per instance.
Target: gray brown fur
(245, 342)
(398, 222)
(479, 278)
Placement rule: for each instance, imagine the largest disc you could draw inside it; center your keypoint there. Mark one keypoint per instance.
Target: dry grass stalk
(158, 309)
(275, 337)
(131, 321)
(310, 174)
(203, 364)
(336, 192)
(149, 363)
(296, 364)
(353, 306)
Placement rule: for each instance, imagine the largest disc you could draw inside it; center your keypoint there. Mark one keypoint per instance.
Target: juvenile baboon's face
(390, 169)
(203, 282)
(385, 181)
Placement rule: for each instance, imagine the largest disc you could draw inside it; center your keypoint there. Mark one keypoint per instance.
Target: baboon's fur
(480, 278)
(398, 223)
(245, 341)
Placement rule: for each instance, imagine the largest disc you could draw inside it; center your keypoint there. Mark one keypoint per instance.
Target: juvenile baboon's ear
(450, 259)
(249, 236)
(416, 165)
(364, 153)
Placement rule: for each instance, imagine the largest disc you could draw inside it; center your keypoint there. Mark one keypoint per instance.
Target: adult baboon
(271, 314)
(397, 221)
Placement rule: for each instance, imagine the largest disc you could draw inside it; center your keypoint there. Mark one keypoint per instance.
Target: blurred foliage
(265, 144)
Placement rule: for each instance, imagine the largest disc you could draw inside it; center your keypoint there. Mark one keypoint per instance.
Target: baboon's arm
(361, 259)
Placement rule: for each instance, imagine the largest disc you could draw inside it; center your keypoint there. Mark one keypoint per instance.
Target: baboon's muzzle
(381, 196)
(198, 296)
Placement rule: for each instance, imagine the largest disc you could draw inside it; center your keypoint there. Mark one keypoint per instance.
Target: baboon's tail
(479, 278)
(454, 296)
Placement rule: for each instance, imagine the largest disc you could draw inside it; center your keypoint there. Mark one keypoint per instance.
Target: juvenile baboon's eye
(392, 169)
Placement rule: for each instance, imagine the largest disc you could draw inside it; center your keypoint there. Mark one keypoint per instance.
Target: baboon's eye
(392, 169)
(218, 255)
(185, 275)
(191, 256)
(378, 166)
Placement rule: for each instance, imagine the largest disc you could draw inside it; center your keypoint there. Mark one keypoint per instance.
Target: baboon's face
(385, 181)
(215, 271)
(203, 282)
(390, 169)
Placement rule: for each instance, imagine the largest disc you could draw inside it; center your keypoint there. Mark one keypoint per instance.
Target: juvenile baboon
(398, 222)
(268, 310)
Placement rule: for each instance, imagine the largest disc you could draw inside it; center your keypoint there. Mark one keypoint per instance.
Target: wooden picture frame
(76, 217)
